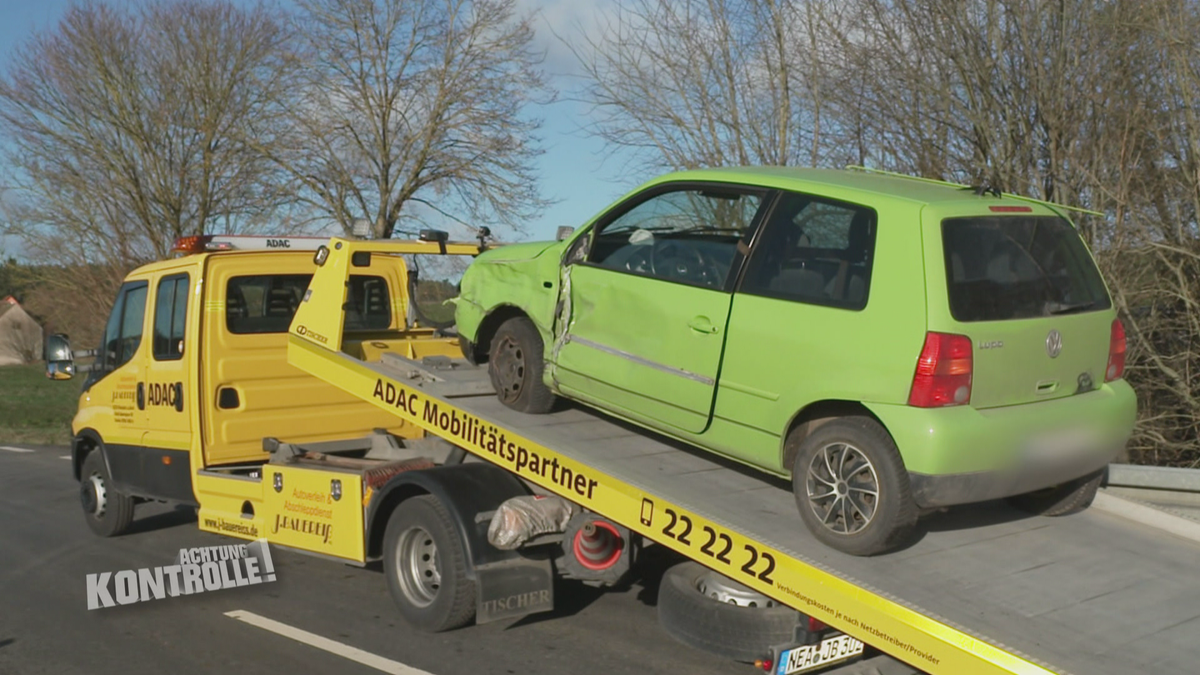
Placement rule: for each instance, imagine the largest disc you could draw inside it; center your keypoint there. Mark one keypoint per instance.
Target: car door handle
(701, 324)
(141, 396)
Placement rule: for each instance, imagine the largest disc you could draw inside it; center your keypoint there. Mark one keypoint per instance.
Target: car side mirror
(60, 360)
(563, 232)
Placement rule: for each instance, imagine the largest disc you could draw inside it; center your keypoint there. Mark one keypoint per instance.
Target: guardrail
(1153, 477)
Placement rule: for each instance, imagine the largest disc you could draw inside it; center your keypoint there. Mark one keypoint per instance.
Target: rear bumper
(960, 455)
(966, 488)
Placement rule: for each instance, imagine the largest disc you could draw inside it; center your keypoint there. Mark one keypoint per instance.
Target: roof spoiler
(978, 190)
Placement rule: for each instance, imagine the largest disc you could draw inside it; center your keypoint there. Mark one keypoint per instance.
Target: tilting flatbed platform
(984, 588)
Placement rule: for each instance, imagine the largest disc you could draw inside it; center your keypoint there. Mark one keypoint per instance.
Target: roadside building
(20, 334)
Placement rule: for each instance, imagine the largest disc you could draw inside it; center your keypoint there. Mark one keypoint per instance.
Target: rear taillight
(943, 376)
(815, 626)
(1116, 352)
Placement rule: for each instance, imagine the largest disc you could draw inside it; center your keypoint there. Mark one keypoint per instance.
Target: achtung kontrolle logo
(196, 570)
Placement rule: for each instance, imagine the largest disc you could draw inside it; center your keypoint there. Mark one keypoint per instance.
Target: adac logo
(279, 243)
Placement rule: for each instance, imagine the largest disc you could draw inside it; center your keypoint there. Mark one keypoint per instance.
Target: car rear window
(1018, 267)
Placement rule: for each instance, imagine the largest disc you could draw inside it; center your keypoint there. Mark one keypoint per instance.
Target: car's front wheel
(851, 486)
(515, 365)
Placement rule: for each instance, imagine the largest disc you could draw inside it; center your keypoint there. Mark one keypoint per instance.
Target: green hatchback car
(890, 344)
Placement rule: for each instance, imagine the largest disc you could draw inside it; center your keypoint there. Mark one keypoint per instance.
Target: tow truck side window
(123, 333)
(170, 316)
(267, 303)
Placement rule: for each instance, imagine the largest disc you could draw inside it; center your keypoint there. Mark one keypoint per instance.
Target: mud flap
(515, 587)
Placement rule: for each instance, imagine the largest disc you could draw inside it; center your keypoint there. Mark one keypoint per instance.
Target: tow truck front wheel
(108, 512)
(426, 566)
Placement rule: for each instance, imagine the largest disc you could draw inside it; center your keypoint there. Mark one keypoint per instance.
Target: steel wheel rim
(843, 488)
(727, 591)
(100, 492)
(509, 364)
(417, 562)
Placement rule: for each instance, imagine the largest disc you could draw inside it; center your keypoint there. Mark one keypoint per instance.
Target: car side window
(123, 333)
(687, 235)
(170, 317)
(815, 251)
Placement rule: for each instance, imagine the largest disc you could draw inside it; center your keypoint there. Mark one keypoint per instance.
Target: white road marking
(12, 449)
(64, 457)
(333, 647)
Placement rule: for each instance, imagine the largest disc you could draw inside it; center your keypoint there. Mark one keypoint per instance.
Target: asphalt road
(46, 551)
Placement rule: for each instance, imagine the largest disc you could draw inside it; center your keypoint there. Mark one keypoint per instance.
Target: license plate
(810, 657)
(1062, 444)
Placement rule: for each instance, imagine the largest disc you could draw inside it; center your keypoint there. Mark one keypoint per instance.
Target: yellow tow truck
(191, 390)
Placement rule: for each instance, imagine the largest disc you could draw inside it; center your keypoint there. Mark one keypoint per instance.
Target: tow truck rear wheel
(108, 512)
(426, 566)
(708, 611)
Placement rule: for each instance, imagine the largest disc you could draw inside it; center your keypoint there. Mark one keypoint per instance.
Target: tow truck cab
(192, 375)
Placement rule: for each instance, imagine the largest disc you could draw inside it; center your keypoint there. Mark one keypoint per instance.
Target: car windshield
(1018, 267)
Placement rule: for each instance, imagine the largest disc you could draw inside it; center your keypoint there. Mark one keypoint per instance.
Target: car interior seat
(850, 283)
(281, 302)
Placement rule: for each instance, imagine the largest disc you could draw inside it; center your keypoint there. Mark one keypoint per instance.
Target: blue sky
(575, 170)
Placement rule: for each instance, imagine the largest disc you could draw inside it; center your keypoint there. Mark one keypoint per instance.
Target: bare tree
(690, 83)
(122, 125)
(123, 130)
(1085, 102)
(409, 102)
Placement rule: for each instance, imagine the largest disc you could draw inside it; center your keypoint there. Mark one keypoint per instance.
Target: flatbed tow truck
(984, 590)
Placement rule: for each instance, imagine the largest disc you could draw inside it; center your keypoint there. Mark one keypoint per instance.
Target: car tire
(727, 630)
(107, 511)
(1060, 500)
(864, 508)
(516, 364)
(426, 566)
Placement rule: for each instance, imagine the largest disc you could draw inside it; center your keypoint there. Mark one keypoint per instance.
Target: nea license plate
(810, 657)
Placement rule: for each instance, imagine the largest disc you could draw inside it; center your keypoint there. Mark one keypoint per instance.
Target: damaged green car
(888, 343)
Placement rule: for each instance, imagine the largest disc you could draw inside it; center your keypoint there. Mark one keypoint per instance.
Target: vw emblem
(1054, 343)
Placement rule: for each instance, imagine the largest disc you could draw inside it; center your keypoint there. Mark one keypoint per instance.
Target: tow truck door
(111, 404)
(167, 397)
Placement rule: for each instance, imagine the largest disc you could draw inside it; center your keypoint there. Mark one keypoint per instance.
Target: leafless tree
(415, 102)
(693, 83)
(123, 128)
(121, 124)
(1084, 102)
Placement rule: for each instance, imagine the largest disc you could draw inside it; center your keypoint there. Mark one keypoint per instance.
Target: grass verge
(35, 409)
